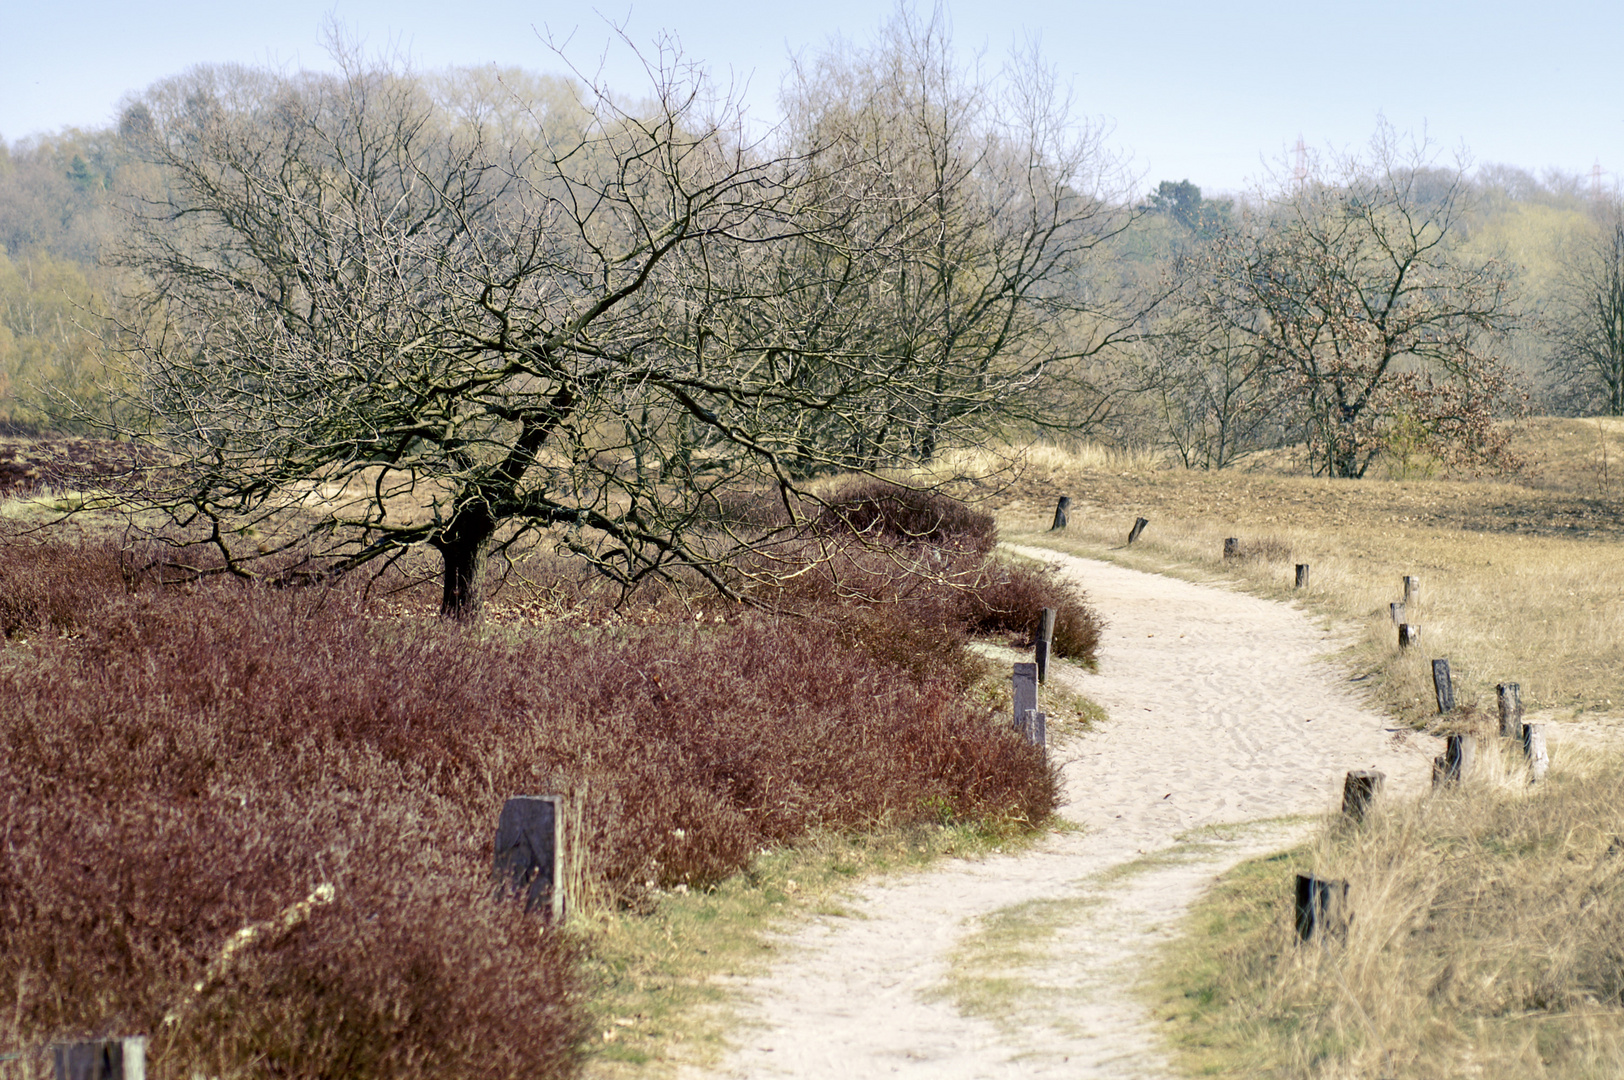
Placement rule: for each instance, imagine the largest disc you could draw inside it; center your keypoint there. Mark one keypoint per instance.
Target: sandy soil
(1222, 710)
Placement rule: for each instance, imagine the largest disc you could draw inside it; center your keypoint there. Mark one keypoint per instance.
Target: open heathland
(1484, 938)
(182, 762)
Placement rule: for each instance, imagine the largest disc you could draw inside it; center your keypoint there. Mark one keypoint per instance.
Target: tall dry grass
(1519, 582)
(1487, 939)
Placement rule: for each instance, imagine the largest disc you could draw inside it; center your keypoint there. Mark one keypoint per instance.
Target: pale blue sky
(1204, 91)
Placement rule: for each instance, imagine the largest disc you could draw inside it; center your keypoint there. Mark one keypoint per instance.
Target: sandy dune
(1221, 712)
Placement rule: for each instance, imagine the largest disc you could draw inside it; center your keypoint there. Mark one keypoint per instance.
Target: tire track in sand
(1220, 712)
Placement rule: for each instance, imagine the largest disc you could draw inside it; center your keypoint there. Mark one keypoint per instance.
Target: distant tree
(1353, 291)
(1216, 397)
(1183, 203)
(979, 240)
(1587, 324)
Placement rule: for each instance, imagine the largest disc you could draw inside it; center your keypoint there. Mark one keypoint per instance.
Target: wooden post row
(1043, 642)
(1302, 575)
(102, 1059)
(1138, 527)
(1408, 634)
(1508, 695)
(1395, 611)
(1412, 591)
(1359, 790)
(530, 850)
(1321, 907)
(1232, 547)
(1060, 513)
(1443, 687)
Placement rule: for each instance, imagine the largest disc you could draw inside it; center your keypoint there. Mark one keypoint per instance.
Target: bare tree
(1356, 295)
(976, 259)
(1588, 320)
(381, 314)
(1217, 399)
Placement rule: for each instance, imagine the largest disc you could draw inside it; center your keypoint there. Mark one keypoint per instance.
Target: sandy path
(1017, 966)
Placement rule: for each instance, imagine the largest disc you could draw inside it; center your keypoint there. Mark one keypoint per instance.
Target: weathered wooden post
(1455, 764)
(1302, 575)
(1034, 726)
(1024, 686)
(1359, 790)
(530, 852)
(1322, 907)
(1508, 695)
(1232, 547)
(1443, 687)
(1539, 761)
(1395, 611)
(1043, 643)
(102, 1059)
(1408, 634)
(1412, 591)
(1138, 527)
(1060, 513)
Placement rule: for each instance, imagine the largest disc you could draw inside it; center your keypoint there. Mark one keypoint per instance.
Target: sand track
(1221, 711)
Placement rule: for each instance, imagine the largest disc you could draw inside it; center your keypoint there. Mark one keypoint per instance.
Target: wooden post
(1460, 754)
(102, 1059)
(1025, 689)
(1359, 790)
(1043, 643)
(1138, 527)
(1539, 761)
(1443, 687)
(1509, 697)
(1232, 547)
(1408, 634)
(1035, 727)
(1396, 613)
(1322, 907)
(1060, 513)
(1302, 575)
(530, 850)
(1412, 591)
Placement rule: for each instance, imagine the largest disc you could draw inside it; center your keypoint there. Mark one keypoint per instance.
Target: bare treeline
(461, 310)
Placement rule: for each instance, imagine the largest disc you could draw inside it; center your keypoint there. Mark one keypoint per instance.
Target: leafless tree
(381, 313)
(1216, 397)
(977, 253)
(1587, 324)
(1358, 298)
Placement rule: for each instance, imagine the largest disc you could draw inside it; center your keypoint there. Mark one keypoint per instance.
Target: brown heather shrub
(188, 765)
(1012, 597)
(882, 512)
(51, 586)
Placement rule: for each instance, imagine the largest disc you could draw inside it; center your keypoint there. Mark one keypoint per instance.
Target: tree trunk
(463, 547)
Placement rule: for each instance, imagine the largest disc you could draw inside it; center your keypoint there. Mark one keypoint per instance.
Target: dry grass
(1488, 918)
(1487, 940)
(1520, 579)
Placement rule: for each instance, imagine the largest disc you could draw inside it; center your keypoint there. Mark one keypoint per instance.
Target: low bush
(882, 512)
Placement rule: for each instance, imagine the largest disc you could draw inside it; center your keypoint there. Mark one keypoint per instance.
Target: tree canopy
(381, 313)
